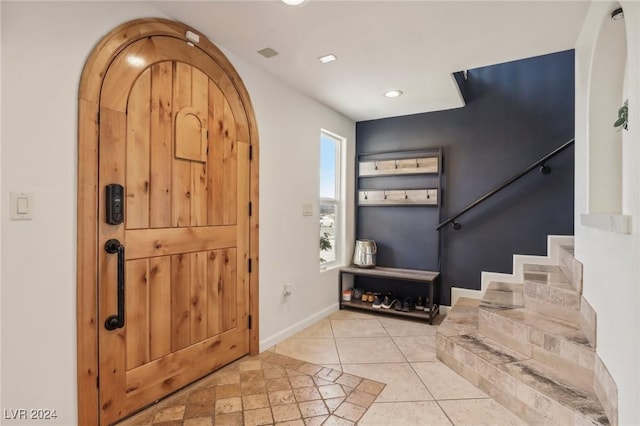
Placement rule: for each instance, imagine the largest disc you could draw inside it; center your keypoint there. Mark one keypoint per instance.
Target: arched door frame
(88, 192)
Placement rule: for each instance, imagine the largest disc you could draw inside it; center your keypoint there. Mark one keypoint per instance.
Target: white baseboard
(457, 293)
(517, 276)
(295, 328)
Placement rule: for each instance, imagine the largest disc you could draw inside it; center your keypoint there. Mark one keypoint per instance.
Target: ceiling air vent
(268, 52)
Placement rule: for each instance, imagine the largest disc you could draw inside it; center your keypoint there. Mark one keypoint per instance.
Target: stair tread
(573, 396)
(503, 295)
(461, 319)
(488, 349)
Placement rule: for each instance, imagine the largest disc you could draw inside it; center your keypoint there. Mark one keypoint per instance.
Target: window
(330, 198)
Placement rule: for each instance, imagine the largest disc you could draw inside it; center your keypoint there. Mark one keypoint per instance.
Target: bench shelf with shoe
(429, 278)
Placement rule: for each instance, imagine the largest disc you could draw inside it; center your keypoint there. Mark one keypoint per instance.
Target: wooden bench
(430, 278)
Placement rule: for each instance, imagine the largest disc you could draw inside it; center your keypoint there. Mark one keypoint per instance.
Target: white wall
(1, 206)
(289, 126)
(44, 46)
(611, 267)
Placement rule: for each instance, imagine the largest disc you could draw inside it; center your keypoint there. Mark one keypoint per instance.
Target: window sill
(330, 267)
(617, 223)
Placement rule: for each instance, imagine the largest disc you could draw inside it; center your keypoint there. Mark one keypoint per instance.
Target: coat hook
(385, 195)
(406, 197)
(417, 163)
(366, 195)
(428, 196)
(396, 163)
(375, 165)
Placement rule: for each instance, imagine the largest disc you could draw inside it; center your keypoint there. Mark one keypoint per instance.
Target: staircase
(530, 343)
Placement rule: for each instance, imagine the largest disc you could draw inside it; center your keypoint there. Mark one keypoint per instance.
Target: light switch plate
(21, 206)
(307, 209)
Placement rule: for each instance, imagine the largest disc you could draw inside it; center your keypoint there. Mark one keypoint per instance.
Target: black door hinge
(250, 152)
(98, 382)
(249, 265)
(249, 322)
(250, 208)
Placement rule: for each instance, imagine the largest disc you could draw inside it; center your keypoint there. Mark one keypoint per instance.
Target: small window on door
(330, 198)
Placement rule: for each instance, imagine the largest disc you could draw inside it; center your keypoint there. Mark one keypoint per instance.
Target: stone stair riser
(547, 348)
(524, 348)
(553, 310)
(571, 268)
(472, 367)
(509, 333)
(569, 370)
(588, 321)
(569, 299)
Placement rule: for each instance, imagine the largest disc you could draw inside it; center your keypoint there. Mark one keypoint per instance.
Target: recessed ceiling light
(294, 2)
(327, 58)
(393, 93)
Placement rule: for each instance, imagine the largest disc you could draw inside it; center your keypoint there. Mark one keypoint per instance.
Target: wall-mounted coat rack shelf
(404, 166)
(381, 197)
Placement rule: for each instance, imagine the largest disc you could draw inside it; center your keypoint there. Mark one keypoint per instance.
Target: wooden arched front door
(170, 167)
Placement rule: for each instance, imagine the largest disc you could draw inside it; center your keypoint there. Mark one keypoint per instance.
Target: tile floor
(390, 376)
(266, 389)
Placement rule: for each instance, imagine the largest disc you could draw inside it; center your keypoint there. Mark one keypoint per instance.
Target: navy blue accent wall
(517, 112)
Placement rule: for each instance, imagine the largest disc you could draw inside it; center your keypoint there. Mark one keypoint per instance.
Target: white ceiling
(413, 46)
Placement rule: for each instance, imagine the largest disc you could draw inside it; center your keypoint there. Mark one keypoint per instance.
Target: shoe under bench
(428, 278)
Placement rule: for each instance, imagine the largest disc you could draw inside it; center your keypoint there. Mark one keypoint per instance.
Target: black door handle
(117, 321)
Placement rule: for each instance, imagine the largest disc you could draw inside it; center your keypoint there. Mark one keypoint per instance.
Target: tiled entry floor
(371, 351)
(264, 390)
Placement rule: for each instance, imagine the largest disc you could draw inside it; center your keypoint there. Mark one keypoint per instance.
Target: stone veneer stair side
(541, 365)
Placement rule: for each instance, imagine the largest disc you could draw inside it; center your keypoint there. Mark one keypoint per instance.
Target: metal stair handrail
(544, 169)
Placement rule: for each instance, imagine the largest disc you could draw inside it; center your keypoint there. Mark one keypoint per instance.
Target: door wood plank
(214, 291)
(243, 224)
(162, 146)
(215, 182)
(122, 76)
(230, 167)
(112, 148)
(137, 313)
(229, 289)
(198, 297)
(138, 134)
(162, 376)
(235, 103)
(200, 101)
(172, 241)
(181, 194)
(180, 306)
(159, 306)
